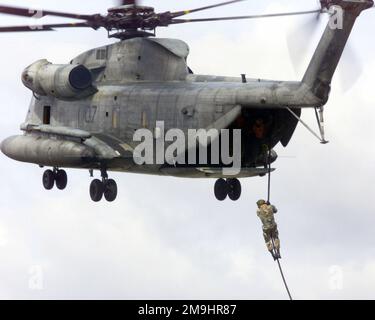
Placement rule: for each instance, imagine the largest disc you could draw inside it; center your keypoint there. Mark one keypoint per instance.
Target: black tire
(48, 179)
(61, 179)
(110, 190)
(234, 189)
(221, 189)
(96, 190)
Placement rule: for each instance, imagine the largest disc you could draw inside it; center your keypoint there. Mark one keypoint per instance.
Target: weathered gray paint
(140, 81)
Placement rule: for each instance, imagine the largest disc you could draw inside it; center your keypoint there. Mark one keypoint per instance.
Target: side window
(101, 54)
(46, 115)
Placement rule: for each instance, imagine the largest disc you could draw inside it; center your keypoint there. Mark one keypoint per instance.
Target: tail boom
(322, 67)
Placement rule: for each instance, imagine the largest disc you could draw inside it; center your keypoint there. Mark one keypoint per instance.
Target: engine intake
(65, 82)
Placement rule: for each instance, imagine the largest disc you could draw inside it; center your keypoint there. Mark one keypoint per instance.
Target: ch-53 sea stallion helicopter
(84, 114)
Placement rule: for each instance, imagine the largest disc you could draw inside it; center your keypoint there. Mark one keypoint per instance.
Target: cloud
(169, 238)
(3, 235)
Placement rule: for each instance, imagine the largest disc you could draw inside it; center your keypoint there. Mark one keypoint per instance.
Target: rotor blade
(351, 68)
(46, 27)
(182, 13)
(302, 33)
(178, 21)
(24, 12)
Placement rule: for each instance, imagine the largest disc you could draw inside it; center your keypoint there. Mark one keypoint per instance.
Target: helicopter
(85, 114)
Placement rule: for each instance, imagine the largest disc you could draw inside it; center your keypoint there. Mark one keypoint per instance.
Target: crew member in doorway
(259, 130)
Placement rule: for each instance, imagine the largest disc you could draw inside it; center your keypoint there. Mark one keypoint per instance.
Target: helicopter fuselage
(88, 113)
(133, 91)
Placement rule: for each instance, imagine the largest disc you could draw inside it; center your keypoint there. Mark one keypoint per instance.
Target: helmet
(261, 202)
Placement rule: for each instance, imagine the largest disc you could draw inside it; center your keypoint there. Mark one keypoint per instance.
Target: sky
(168, 238)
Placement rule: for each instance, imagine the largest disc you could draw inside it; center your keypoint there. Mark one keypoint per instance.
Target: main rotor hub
(132, 8)
(131, 21)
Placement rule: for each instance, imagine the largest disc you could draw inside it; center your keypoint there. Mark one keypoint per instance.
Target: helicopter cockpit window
(101, 54)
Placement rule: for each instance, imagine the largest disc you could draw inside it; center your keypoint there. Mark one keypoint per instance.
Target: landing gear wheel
(234, 189)
(61, 179)
(110, 190)
(96, 190)
(48, 179)
(221, 189)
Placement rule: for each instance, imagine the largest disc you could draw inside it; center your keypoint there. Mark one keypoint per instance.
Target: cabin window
(101, 54)
(47, 115)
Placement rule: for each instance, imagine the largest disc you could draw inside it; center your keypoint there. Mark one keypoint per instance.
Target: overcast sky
(168, 238)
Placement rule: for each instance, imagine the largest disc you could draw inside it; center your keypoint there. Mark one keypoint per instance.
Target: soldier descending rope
(266, 213)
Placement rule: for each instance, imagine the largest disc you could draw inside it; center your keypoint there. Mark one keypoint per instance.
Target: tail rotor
(351, 68)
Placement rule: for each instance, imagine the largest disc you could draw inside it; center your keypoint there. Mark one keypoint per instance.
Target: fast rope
(283, 277)
(269, 176)
(268, 200)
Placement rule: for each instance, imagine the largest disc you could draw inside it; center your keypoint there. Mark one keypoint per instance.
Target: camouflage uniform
(270, 233)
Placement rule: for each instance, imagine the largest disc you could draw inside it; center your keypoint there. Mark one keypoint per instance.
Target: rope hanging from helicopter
(273, 243)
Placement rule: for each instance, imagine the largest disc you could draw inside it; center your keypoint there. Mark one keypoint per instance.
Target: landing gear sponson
(98, 188)
(227, 188)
